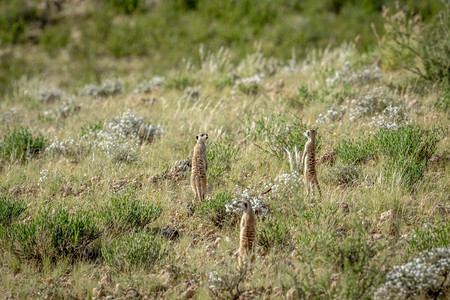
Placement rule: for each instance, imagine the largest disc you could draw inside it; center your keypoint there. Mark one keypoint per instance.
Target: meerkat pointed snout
(247, 234)
(199, 167)
(309, 162)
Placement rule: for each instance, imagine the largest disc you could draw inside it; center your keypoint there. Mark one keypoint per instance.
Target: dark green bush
(54, 233)
(20, 145)
(406, 150)
(9, 210)
(124, 212)
(139, 249)
(355, 151)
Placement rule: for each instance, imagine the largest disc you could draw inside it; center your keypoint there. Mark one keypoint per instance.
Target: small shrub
(443, 102)
(426, 275)
(91, 130)
(107, 88)
(273, 232)
(148, 86)
(366, 75)
(49, 96)
(220, 155)
(301, 98)
(139, 249)
(215, 208)
(66, 109)
(428, 236)
(21, 145)
(130, 125)
(179, 82)
(52, 234)
(343, 174)
(250, 85)
(407, 40)
(125, 212)
(355, 151)
(277, 134)
(406, 150)
(224, 284)
(68, 147)
(9, 210)
(191, 93)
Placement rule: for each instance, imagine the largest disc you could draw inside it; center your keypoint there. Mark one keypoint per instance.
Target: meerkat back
(309, 162)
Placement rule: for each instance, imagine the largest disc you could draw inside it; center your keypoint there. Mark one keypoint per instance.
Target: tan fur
(247, 235)
(199, 167)
(309, 162)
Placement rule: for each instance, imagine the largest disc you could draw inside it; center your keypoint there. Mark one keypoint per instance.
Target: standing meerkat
(309, 162)
(247, 231)
(199, 167)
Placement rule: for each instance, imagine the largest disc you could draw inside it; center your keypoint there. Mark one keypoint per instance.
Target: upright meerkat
(247, 232)
(199, 167)
(309, 162)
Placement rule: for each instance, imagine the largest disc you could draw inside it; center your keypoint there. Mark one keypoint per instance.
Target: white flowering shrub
(64, 147)
(426, 275)
(66, 109)
(225, 283)
(250, 85)
(119, 151)
(259, 207)
(376, 100)
(366, 75)
(377, 104)
(191, 93)
(130, 125)
(284, 184)
(119, 138)
(49, 95)
(331, 115)
(148, 86)
(107, 88)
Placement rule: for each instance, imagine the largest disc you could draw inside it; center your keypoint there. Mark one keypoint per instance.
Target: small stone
(386, 216)
(344, 207)
(170, 234)
(132, 294)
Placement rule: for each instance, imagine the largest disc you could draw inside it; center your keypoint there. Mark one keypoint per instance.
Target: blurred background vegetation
(87, 39)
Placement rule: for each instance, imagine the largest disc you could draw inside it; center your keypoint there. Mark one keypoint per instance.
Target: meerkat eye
(245, 204)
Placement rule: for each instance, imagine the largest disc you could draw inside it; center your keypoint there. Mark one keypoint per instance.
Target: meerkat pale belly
(199, 167)
(247, 234)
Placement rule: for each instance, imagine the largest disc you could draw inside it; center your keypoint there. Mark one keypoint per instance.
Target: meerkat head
(243, 204)
(310, 134)
(202, 137)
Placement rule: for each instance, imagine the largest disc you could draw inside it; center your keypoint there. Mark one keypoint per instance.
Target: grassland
(95, 165)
